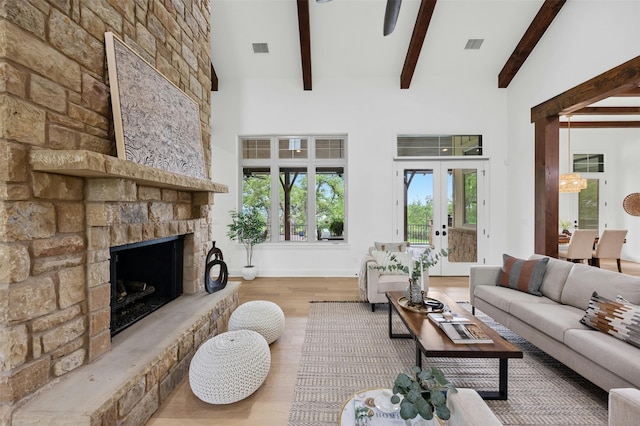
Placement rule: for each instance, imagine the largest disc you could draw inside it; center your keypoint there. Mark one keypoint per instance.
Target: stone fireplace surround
(123, 381)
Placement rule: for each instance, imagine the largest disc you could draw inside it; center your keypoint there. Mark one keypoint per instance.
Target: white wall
(586, 39)
(371, 113)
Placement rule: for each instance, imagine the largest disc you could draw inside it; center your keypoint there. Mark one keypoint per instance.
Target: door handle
(437, 233)
(444, 233)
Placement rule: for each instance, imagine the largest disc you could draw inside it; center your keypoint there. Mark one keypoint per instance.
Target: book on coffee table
(440, 318)
(464, 332)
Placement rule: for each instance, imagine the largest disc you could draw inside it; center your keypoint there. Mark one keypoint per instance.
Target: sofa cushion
(618, 318)
(523, 275)
(555, 277)
(391, 263)
(502, 298)
(583, 280)
(401, 246)
(392, 283)
(615, 355)
(553, 319)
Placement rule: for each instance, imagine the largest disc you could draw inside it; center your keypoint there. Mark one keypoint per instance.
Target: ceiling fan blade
(391, 16)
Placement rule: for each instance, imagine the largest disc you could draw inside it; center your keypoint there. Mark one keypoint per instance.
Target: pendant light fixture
(571, 182)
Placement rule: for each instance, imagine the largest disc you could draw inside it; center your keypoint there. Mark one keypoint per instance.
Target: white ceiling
(347, 40)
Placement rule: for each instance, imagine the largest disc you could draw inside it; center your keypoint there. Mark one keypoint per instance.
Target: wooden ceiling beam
(630, 110)
(417, 39)
(531, 37)
(621, 79)
(305, 42)
(634, 93)
(601, 125)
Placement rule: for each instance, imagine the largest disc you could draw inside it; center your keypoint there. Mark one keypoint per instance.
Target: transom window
(298, 184)
(588, 163)
(439, 145)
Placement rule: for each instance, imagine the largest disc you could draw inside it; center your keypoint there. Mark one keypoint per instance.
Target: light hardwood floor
(270, 404)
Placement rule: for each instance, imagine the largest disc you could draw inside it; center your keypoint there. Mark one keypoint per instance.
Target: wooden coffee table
(433, 342)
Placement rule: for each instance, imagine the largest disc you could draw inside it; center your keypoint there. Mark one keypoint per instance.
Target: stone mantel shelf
(89, 164)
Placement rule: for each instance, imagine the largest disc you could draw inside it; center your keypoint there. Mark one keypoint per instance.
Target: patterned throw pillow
(388, 261)
(618, 318)
(523, 275)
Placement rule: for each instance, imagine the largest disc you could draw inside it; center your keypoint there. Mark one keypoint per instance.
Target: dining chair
(609, 247)
(580, 246)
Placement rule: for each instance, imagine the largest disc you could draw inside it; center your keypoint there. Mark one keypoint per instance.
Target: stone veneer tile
(14, 347)
(15, 263)
(24, 380)
(31, 299)
(72, 286)
(70, 217)
(58, 245)
(22, 121)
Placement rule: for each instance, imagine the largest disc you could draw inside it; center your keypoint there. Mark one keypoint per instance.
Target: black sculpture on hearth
(218, 284)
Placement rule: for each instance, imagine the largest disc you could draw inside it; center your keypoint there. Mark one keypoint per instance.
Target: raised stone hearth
(146, 361)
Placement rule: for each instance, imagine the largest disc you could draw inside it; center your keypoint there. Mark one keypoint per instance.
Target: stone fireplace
(66, 200)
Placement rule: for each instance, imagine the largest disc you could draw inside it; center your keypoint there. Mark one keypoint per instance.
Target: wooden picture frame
(156, 124)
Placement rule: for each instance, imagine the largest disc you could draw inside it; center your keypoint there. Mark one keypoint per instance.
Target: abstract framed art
(156, 124)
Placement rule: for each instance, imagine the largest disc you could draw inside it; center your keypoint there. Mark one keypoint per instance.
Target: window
(439, 146)
(297, 184)
(588, 163)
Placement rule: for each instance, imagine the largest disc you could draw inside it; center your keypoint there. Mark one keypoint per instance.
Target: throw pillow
(389, 261)
(523, 275)
(618, 318)
(401, 246)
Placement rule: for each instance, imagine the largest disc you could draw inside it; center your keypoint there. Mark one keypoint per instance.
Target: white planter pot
(249, 273)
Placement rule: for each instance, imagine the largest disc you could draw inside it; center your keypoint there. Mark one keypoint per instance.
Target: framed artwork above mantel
(155, 123)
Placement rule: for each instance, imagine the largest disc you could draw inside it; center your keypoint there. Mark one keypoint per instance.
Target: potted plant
(249, 229)
(336, 227)
(418, 284)
(424, 393)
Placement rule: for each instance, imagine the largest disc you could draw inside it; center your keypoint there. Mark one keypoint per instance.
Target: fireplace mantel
(89, 164)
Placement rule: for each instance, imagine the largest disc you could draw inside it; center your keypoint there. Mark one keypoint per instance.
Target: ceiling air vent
(260, 48)
(474, 44)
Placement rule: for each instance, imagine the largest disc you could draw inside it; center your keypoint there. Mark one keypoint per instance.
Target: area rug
(347, 348)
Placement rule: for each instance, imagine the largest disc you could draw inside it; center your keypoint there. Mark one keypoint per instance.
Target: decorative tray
(424, 309)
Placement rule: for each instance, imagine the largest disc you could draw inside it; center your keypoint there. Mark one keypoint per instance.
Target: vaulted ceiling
(317, 42)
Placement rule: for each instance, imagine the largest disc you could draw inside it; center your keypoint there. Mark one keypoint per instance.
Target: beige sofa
(552, 323)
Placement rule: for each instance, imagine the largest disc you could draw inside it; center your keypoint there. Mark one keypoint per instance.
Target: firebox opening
(144, 277)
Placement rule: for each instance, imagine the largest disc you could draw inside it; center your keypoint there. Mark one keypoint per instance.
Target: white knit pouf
(259, 315)
(229, 367)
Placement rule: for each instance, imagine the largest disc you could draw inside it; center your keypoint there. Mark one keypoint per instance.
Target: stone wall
(465, 244)
(54, 94)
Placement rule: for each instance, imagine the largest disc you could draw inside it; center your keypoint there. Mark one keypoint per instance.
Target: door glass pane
(418, 206)
(588, 205)
(463, 215)
(330, 203)
(292, 213)
(256, 192)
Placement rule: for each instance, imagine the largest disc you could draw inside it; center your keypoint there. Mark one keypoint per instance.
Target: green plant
(424, 261)
(423, 392)
(565, 224)
(249, 229)
(336, 227)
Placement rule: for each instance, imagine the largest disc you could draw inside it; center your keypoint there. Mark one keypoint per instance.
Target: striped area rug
(347, 348)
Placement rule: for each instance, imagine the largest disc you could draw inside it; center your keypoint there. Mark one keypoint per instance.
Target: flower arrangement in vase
(417, 269)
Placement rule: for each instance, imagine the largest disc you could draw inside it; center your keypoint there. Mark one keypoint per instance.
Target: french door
(441, 204)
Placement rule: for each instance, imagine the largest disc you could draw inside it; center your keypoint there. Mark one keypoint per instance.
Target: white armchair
(375, 282)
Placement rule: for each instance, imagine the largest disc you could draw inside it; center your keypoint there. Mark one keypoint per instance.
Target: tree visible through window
(298, 184)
